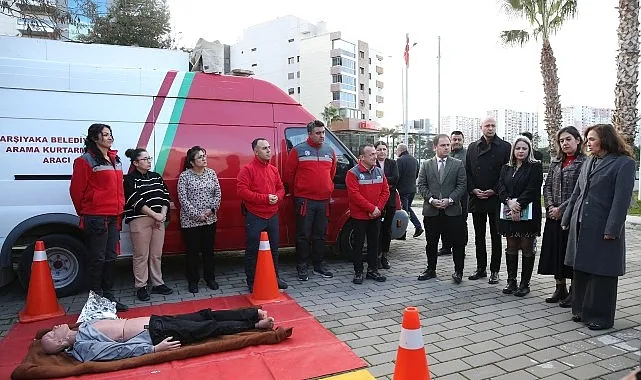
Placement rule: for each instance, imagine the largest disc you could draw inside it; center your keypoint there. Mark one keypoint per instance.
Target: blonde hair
(530, 155)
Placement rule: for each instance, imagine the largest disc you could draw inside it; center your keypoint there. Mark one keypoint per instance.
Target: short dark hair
(458, 133)
(361, 149)
(191, 156)
(314, 124)
(133, 154)
(438, 137)
(574, 133)
(376, 145)
(255, 142)
(527, 134)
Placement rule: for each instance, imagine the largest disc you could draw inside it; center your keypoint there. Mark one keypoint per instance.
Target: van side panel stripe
(168, 141)
(159, 100)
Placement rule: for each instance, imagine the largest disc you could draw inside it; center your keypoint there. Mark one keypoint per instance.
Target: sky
(477, 72)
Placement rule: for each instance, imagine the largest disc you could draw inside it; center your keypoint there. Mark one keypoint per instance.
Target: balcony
(379, 84)
(379, 99)
(379, 70)
(380, 114)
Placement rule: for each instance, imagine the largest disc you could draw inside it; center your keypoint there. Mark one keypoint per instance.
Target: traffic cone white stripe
(411, 339)
(264, 245)
(40, 256)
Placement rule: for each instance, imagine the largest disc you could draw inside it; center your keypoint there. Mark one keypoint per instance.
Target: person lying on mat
(112, 339)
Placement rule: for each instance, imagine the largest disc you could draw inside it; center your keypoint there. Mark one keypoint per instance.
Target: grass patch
(635, 209)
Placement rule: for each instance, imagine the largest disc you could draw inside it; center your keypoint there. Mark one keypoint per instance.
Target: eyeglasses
(148, 159)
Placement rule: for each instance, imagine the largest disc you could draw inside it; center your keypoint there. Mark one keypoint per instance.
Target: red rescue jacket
(366, 190)
(96, 187)
(256, 181)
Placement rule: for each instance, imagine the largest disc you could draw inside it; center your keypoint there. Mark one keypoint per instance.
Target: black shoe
(522, 290)
(478, 274)
(597, 326)
(418, 232)
(143, 294)
(374, 275)
(162, 289)
(282, 284)
(302, 274)
(358, 278)
(457, 277)
(576, 318)
(511, 287)
(567, 301)
(212, 284)
(494, 278)
(403, 237)
(323, 272)
(559, 294)
(444, 252)
(385, 263)
(110, 297)
(192, 287)
(427, 274)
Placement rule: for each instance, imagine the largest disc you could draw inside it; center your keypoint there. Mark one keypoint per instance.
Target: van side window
(345, 160)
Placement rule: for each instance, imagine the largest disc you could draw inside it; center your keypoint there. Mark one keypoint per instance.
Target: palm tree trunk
(551, 91)
(625, 93)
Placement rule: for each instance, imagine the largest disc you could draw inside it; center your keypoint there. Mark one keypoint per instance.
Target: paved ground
(471, 331)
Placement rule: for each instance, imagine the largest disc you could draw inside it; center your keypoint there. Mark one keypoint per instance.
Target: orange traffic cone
(265, 283)
(411, 361)
(41, 296)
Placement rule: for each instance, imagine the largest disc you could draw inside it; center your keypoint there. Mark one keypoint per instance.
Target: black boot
(527, 263)
(567, 301)
(384, 262)
(559, 294)
(512, 263)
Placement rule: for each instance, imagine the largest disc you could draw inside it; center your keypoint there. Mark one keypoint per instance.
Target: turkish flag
(406, 55)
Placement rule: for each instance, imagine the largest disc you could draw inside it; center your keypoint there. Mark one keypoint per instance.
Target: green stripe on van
(177, 112)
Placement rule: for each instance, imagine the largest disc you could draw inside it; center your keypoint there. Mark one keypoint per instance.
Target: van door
(294, 135)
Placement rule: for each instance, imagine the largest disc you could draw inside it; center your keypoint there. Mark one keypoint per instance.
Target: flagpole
(407, 122)
(439, 86)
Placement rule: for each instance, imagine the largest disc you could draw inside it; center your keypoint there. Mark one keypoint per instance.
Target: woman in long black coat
(595, 217)
(519, 190)
(559, 184)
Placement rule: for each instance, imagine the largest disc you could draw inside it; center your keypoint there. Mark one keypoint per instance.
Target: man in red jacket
(367, 194)
(309, 174)
(98, 196)
(260, 190)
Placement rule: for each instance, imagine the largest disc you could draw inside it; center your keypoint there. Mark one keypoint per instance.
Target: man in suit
(485, 158)
(459, 152)
(407, 173)
(442, 183)
(391, 173)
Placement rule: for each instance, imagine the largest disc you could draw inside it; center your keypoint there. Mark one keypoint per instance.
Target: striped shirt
(144, 190)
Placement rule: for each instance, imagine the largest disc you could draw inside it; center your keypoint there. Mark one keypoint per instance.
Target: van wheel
(346, 242)
(66, 262)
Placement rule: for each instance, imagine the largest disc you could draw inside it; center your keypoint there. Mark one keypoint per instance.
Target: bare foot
(267, 323)
(262, 314)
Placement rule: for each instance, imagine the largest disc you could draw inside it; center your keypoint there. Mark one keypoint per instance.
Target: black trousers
(594, 298)
(254, 225)
(449, 228)
(386, 228)
(479, 219)
(311, 227)
(447, 245)
(201, 325)
(200, 240)
(370, 229)
(101, 238)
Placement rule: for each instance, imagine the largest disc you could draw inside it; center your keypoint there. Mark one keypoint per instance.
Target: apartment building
(510, 123)
(316, 67)
(470, 126)
(581, 117)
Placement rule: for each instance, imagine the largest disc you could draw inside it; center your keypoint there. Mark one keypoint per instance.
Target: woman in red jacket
(98, 195)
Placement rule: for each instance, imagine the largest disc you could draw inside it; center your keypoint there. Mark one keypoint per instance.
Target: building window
(370, 61)
(361, 70)
(298, 74)
(361, 103)
(298, 58)
(290, 91)
(298, 89)
(254, 64)
(370, 107)
(290, 60)
(362, 86)
(253, 49)
(370, 75)
(361, 54)
(290, 75)
(290, 40)
(370, 91)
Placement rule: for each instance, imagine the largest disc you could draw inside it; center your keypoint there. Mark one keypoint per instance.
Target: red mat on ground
(311, 351)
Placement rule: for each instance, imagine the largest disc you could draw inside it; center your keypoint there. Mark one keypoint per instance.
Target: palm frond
(515, 37)
(568, 9)
(513, 8)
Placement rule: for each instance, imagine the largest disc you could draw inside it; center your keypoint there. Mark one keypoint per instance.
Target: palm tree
(330, 114)
(545, 17)
(625, 93)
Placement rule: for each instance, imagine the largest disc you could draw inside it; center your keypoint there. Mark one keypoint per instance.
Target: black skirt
(553, 246)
